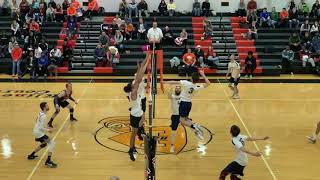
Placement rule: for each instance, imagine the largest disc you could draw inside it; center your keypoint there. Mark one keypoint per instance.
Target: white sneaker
(172, 149)
(198, 127)
(311, 139)
(246, 76)
(236, 96)
(251, 76)
(198, 134)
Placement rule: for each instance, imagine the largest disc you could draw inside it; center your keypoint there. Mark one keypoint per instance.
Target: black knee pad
(71, 110)
(234, 177)
(43, 145)
(223, 175)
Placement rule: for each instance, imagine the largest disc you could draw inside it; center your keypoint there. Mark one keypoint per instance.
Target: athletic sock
(48, 159)
(71, 115)
(192, 126)
(33, 153)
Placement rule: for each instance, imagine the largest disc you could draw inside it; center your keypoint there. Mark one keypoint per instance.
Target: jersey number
(190, 90)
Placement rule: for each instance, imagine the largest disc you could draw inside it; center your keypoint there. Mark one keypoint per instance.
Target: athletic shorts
(234, 81)
(175, 120)
(63, 104)
(42, 139)
(134, 121)
(234, 168)
(185, 108)
(143, 104)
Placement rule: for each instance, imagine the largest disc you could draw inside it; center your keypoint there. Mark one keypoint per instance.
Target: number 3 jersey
(188, 89)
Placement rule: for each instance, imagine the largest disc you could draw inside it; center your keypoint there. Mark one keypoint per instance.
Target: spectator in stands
(133, 7)
(50, 13)
(42, 14)
(71, 11)
(252, 17)
(208, 29)
(16, 55)
(3, 44)
(292, 4)
(265, 18)
(93, 8)
(141, 29)
(123, 8)
(34, 27)
(305, 27)
(315, 11)
(119, 41)
(37, 52)
(117, 20)
(113, 56)
(315, 28)
(24, 7)
(316, 44)
(242, 9)
(287, 60)
(176, 61)
(163, 9)
(24, 31)
(284, 17)
(211, 58)
(250, 65)
(12, 43)
(168, 38)
(31, 40)
(306, 40)
(76, 4)
(59, 14)
(5, 8)
(172, 8)
(252, 5)
(306, 57)
(65, 6)
(15, 29)
(143, 8)
(54, 61)
(55, 55)
(43, 63)
(53, 4)
(99, 55)
(129, 29)
(199, 53)
(154, 36)
(206, 8)
(71, 28)
(104, 39)
(182, 39)
(113, 27)
(44, 45)
(189, 62)
(31, 64)
(293, 18)
(274, 16)
(303, 9)
(295, 42)
(196, 8)
(252, 32)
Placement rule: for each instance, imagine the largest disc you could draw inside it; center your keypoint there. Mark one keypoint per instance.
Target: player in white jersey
(234, 69)
(136, 112)
(313, 138)
(39, 131)
(175, 118)
(188, 90)
(236, 167)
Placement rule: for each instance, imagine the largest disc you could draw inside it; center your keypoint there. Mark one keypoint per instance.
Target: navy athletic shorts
(234, 168)
(185, 108)
(175, 120)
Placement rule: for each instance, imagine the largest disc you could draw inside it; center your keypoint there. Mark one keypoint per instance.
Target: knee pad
(57, 111)
(71, 110)
(51, 145)
(43, 145)
(234, 177)
(223, 175)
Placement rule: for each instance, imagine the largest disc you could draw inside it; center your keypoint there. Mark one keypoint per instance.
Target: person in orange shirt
(129, 30)
(16, 55)
(71, 11)
(189, 60)
(76, 4)
(93, 8)
(34, 26)
(284, 16)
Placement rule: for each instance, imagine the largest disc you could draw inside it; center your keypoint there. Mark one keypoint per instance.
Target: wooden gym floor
(92, 150)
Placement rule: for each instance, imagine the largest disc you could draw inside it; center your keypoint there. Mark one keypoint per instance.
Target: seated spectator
(315, 11)
(154, 36)
(119, 41)
(208, 29)
(133, 6)
(252, 32)
(29, 16)
(37, 52)
(24, 31)
(196, 8)
(265, 18)
(55, 55)
(44, 45)
(36, 5)
(143, 8)
(168, 38)
(306, 57)
(295, 42)
(93, 8)
(199, 53)
(292, 4)
(303, 9)
(316, 44)
(306, 40)
(104, 39)
(34, 27)
(242, 9)
(182, 39)
(42, 13)
(129, 29)
(16, 55)
(287, 60)
(284, 17)
(113, 56)
(12, 43)
(65, 6)
(211, 58)
(163, 9)
(50, 13)
(250, 65)
(71, 28)
(24, 7)
(252, 17)
(59, 14)
(53, 4)
(305, 27)
(114, 27)
(117, 20)
(43, 63)
(172, 8)
(15, 29)
(189, 61)
(252, 5)
(315, 28)
(99, 55)
(176, 61)
(5, 8)
(274, 16)
(31, 40)
(71, 11)
(141, 29)
(123, 8)
(206, 8)
(76, 4)
(293, 18)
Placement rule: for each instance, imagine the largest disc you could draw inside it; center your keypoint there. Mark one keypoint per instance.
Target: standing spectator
(99, 55)
(242, 9)
(206, 8)
(12, 43)
(163, 9)
(141, 29)
(71, 27)
(212, 58)
(76, 4)
(189, 61)
(287, 60)
(31, 40)
(113, 56)
(305, 27)
(143, 8)
(265, 17)
(315, 28)
(37, 52)
(24, 7)
(199, 53)
(16, 55)
(303, 8)
(315, 11)
(316, 44)
(123, 8)
(15, 29)
(172, 8)
(196, 8)
(43, 63)
(306, 57)
(274, 16)
(104, 39)
(154, 36)
(182, 39)
(133, 6)
(284, 17)
(59, 14)
(293, 18)
(65, 6)
(119, 41)
(208, 29)
(250, 65)
(93, 8)
(168, 38)
(50, 13)
(295, 42)
(252, 5)
(55, 55)
(31, 64)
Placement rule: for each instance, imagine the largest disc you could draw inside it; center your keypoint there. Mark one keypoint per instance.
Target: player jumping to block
(236, 167)
(61, 100)
(39, 131)
(188, 90)
(313, 138)
(234, 69)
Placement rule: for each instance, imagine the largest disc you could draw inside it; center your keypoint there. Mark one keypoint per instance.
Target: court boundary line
(58, 132)
(248, 132)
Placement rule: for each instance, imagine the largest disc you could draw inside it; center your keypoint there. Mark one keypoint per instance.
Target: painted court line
(56, 135)
(248, 132)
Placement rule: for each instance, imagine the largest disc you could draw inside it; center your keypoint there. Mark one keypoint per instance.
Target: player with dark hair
(313, 138)
(136, 112)
(234, 69)
(236, 167)
(188, 90)
(39, 131)
(61, 100)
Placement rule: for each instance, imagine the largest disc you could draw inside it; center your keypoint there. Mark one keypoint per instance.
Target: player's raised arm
(207, 82)
(139, 75)
(257, 139)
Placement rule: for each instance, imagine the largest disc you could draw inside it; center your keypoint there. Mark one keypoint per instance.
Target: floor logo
(115, 134)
